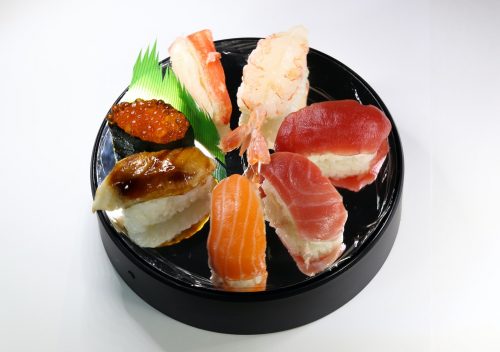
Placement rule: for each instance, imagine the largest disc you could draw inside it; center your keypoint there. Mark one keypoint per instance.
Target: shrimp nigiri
(197, 65)
(237, 239)
(274, 84)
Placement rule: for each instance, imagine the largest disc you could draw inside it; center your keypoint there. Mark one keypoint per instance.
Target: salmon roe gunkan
(150, 120)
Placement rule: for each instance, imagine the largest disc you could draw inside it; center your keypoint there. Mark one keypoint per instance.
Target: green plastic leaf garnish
(152, 81)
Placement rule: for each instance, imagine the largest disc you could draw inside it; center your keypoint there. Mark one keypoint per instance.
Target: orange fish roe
(150, 120)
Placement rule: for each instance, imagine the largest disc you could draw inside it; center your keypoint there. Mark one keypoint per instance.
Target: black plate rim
(276, 293)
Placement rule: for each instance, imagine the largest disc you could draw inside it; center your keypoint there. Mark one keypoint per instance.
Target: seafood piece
(150, 125)
(306, 211)
(161, 194)
(237, 239)
(197, 65)
(347, 140)
(250, 139)
(274, 85)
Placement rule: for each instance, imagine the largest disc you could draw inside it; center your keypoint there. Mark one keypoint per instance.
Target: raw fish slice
(312, 201)
(305, 209)
(237, 240)
(343, 127)
(197, 65)
(346, 139)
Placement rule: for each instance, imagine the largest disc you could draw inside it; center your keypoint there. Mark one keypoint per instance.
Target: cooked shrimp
(250, 139)
(274, 84)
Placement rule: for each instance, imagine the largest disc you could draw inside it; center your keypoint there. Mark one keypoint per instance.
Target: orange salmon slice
(237, 239)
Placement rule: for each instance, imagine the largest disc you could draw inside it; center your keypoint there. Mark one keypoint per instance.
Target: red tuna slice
(343, 127)
(312, 201)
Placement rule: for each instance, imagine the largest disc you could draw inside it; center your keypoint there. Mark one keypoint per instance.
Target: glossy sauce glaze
(149, 175)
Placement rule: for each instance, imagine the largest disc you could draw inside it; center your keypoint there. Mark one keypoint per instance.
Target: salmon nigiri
(197, 65)
(237, 239)
(306, 211)
(347, 140)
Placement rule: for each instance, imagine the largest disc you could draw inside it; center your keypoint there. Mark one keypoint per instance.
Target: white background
(436, 65)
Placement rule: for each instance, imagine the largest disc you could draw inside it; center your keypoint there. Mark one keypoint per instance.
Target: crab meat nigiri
(305, 209)
(197, 65)
(274, 84)
(347, 140)
(237, 239)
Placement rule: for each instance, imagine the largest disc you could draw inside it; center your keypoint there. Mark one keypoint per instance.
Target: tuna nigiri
(237, 239)
(197, 65)
(347, 140)
(305, 209)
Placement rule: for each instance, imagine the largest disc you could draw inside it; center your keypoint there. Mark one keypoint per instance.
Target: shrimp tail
(249, 138)
(257, 150)
(236, 138)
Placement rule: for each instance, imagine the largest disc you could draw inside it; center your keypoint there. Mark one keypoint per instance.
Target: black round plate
(176, 279)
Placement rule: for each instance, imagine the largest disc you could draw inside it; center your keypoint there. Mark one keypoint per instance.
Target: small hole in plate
(131, 274)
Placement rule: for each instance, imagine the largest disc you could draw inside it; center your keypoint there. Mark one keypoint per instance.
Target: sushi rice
(339, 166)
(154, 222)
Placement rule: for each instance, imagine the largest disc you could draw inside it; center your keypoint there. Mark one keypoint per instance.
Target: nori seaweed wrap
(150, 125)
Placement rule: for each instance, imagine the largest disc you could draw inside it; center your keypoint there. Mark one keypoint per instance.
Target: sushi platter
(247, 185)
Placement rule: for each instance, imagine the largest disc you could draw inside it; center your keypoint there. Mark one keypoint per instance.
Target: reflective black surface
(175, 279)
